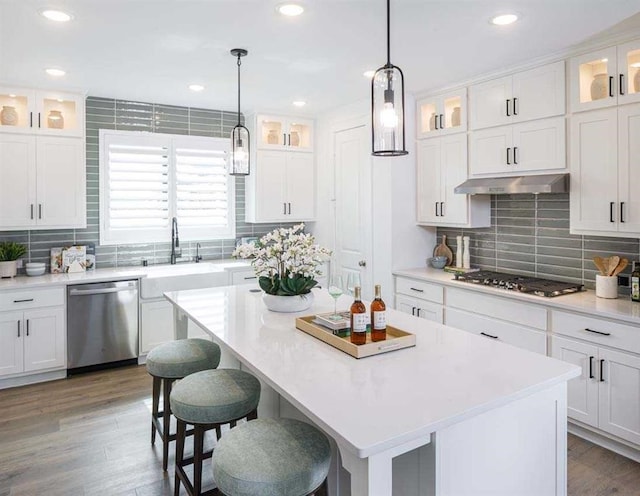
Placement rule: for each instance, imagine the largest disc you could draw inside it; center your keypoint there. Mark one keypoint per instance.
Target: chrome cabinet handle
(441, 121)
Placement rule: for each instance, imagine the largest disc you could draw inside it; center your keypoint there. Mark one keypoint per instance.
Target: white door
(488, 103)
(300, 188)
(619, 408)
(11, 338)
(582, 391)
(17, 180)
(44, 339)
(488, 151)
(352, 162)
(539, 145)
(629, 168)
(594, 170)
(270, 170)
(429, 182)
(539, 92)
(61, 182)
(453, 167)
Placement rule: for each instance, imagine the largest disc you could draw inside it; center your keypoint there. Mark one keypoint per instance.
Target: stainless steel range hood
(548, 183)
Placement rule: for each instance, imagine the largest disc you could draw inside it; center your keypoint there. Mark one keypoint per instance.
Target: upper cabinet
(442, 114)
(524, 96)
(606, 77)
(284, 133)
(41, 112)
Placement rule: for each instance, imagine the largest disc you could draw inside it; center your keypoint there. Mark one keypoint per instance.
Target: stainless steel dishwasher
(102, 324)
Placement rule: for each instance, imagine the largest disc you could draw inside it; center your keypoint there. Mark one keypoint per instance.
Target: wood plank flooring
(90, 435)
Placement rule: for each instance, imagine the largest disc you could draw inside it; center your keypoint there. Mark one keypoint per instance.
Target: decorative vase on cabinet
(272, 137)
(55, 120)
(636, 82)
(8, 116)
(455, 117)
(294, 138)
(599, 86)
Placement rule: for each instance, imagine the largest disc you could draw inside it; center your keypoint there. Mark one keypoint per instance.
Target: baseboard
(32, 379)
(623, 448)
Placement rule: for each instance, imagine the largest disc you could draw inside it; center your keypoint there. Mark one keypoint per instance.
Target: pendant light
(387, 106)
(239, 163)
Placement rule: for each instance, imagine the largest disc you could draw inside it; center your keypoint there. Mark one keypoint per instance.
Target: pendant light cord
(388, 32)
(239, 89)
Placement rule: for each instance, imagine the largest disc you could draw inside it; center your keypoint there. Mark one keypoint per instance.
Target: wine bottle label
(359, 322)
(380, 320)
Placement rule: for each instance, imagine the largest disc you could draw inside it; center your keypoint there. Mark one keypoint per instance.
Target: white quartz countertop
(379, 402)
(585, 301)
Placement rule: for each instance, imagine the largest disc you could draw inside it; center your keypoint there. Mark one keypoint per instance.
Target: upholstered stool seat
(272, 457)
(166, 363)
(207, 400)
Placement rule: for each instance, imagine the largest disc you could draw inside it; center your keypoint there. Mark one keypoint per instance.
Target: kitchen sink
(162, 278)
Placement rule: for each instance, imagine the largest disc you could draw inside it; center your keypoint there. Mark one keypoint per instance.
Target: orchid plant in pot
(10, 252)
(287, 262)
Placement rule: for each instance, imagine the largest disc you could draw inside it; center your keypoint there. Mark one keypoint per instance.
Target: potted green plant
(9, 253)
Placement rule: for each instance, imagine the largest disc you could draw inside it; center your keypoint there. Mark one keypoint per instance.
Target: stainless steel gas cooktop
(523, 284)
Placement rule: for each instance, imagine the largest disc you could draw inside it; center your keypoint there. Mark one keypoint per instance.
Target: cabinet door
(593, 80)
(11, 339)
(271, 132)
(442, 114)
(539, 92)
(582, 391)
(428, 117)
(629, 168)
(488, 103)
(17, 107)
(488, 151)
(594, 170)
(619, 394)
(429, 183)
(156, 324)
(406, 304)
(44, 339)
(429, 311)
(61, 182)
(629, 72)
(59, 114)
(300, 135)
(270, 170)
(17, 181)
(300, 187)
(539, 145)
(453, 167)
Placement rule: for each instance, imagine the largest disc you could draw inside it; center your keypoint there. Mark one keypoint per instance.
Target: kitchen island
(481, 417)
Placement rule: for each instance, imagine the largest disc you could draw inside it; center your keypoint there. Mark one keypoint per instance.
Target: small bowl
(35, 268)
(438, 262)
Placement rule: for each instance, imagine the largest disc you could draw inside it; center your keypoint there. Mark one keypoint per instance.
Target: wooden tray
(396, 339)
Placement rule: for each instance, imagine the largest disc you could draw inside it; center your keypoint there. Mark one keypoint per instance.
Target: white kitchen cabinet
(284, 133)
(606, 77)
(420, 308)
(42, 182)
(244, 277)
(156, 324)
(11, 343)
(528, 95)
(605, 171)
(419, 298)
(41, 112)
(442, 114)
(281, 188)
(441, 166)
(529, 147)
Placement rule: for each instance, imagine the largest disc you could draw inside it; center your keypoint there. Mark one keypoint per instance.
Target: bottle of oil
(635, 282)
(358, 318)
(378, 317)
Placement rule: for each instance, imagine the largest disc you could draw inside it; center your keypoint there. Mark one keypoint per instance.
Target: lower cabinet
(420, 308)
(419, 298)
(156, 324)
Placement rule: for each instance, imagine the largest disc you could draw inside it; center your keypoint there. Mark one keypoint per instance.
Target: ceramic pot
(55, 120)
(455, 117)
(8, 269)
(606, 286)
(600, 86)
(272, 137)
(636, 82)
(288, 304)
(432, 122)
(294, 138)
(8, 116)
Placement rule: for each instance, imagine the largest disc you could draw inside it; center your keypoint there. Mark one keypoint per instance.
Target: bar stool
(272, 457)
(166, 363)
(208, 400)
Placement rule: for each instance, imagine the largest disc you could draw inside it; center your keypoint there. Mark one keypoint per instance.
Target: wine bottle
(635, 282)
(358, 318)
(378, 317)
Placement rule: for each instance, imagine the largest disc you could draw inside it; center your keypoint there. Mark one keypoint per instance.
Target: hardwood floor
(90, 435)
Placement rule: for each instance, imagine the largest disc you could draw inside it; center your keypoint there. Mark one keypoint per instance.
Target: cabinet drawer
(506, 332)
(420, 289)
(600, 331)
(20, 300)
(501, 308)
(244, 277)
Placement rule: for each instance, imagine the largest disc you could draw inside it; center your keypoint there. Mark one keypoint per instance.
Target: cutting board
(442, 250)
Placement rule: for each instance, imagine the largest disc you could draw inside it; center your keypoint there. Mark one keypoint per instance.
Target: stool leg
(156, 404)
(166, 421)
(323, 490)
(198, 448)
(180, 435)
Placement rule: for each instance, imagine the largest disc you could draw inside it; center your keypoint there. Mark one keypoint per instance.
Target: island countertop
(376, 403)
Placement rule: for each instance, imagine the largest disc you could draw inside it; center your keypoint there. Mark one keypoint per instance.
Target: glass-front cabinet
(606, 77)
(41, 112)
(442, 114)
(284, 133)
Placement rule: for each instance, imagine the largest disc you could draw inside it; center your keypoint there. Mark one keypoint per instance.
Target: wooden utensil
(613, 263)
(621, 266)
(442, 250)
(601, 264)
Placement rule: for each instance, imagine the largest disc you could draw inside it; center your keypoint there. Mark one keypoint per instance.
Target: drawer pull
(252, 277)
(27, 327)
(489, 335)
(418, 290)
(591, 367)
(601, 370)
(597, 332)
(23, 301)
(418, 312)
(18, 328)
(413, 310)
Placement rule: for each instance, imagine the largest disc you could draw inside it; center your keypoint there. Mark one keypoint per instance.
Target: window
(146, 179)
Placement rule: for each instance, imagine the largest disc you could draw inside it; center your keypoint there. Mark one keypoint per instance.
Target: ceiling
(151, 50)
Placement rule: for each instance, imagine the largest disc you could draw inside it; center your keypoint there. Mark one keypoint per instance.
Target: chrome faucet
(175, 241)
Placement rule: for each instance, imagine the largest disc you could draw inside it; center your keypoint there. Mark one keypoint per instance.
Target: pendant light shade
(239, 162)
(387, 106)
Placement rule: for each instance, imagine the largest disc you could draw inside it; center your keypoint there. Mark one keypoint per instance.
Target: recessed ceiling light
(299, 103)
(290, 9)
(55, 72)
(368, 74)
(196, 87)
(56, 15)
(503, 20)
